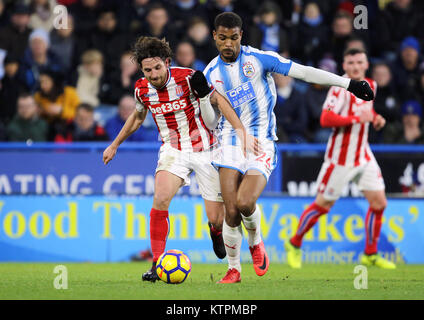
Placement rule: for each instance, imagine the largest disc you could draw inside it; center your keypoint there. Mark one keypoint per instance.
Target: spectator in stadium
(314, 34)
(386, 101)
(27, 125)
(185, 56)
(245, 9)
(158, 24)
(90, 79)
(4, 15)
(122, 82)
(57, 101)
(37, 57)
(290, 111)
(107, 39)
(355, 42)
(82, 128)
(410, 131)
(85, 12)
(267, 33)
(42, 15)
(10, 87)
(114, 125)
(342, 30)
(406, 67)
(398, 20)
(63, 44)
(14, 36)
(200, 37)
(314, 99)
(420, 90)
(132, 13)
(183, 11)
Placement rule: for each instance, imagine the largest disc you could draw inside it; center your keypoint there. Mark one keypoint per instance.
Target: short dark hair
(353, 51)
(24, 95)
(87, 107)
(228, 20)
(151, 47)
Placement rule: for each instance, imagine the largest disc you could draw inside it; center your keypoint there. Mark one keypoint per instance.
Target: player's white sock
(252, 224)
(232, 241)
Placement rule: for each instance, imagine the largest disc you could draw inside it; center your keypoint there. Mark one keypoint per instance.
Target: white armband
(317, 76)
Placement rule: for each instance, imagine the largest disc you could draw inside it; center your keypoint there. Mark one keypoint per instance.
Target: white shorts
(333, 178)
(228, 156)
(182, 164)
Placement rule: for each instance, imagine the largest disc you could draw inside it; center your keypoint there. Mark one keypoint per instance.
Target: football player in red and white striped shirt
(173, 96)
(348, 158)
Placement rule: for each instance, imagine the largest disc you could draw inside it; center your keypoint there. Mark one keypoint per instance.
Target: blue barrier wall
(98, 229)
(77, 168)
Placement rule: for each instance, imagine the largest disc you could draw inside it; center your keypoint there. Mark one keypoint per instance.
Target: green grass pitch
(123, 281)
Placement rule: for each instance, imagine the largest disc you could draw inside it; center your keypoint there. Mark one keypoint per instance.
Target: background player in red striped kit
(173, 95)
(348, 158)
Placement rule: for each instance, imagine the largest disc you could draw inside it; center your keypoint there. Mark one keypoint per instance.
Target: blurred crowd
(76, 83)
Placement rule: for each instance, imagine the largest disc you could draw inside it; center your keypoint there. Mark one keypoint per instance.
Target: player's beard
(228, 57)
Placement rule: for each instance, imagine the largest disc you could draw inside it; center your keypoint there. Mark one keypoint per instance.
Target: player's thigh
(166, 186)
(207, 176)
(371, 183)
(215, 212)
(332, 179)
(264, 163)
(251, 187)
(371, 178)
(230, 181)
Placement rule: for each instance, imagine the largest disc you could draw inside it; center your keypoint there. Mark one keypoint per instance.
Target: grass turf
(123, 281)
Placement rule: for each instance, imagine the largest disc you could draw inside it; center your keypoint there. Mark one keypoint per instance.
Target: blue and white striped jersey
(248, 84)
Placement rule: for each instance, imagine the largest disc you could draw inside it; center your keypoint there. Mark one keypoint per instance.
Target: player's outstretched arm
(132, 124)
(361, 89)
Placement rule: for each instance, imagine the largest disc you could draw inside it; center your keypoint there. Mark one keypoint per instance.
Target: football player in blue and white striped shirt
(244, 76)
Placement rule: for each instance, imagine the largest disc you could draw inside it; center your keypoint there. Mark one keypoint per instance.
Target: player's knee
(379, 204)
(161, 201)
(245, 205)
(232, 221)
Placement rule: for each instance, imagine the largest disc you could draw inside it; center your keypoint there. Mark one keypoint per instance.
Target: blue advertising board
(74, 172)
(101, 229)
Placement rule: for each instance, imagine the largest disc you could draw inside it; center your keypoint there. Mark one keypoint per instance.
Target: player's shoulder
(141, 83)
(262, 54)
(337, 92)
(181, 71)
(372, 83)
(211, 65)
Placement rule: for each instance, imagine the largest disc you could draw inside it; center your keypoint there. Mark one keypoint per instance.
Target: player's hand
(361, 89)
(251, 144)
(366, 116)
(109, 153)
(199, 84)
(379, 122)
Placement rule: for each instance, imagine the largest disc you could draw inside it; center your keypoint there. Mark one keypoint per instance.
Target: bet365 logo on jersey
(242, 94)
(168, 106)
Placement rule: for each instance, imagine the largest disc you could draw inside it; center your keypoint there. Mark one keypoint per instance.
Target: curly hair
(151, 47)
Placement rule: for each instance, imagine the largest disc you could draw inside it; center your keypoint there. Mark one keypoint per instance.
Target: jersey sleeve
(273, 62)
(335, 100)
(139, 105)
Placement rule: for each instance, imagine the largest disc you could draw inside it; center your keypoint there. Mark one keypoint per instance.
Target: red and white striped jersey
(175, 110)
(348, 146)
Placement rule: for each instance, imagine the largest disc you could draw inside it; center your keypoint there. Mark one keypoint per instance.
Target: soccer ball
(173, 266)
